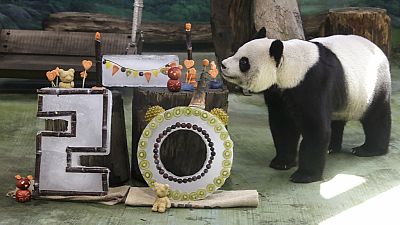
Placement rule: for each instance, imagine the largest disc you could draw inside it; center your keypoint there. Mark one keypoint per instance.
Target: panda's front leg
(284, 131)
(316, 133)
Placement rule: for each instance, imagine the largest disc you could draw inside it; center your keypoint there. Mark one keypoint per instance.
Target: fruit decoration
(87, 64)
(174, 84)
(162, 202)
(153, 112)
(174, 73)
(188, 63)
(23, 194)
(188, 26)
(213, 73)
(206, 62)
(67, 78)
(221, 114)
(190, 76)
(52, 75)
(213, 70)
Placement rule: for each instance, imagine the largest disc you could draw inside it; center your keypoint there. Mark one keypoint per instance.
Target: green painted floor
(355, 190)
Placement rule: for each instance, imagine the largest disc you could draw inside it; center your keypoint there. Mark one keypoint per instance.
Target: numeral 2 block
(87, 115)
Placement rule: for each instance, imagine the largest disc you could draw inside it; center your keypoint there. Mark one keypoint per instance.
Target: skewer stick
(99, 57)
(188, 27)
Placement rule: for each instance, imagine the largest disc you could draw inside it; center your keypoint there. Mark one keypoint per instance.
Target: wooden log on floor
(371, 23)
(144, 98)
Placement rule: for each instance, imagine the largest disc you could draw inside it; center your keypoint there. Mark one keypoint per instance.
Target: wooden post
(371, 23)
(99, 66)
(189, 49)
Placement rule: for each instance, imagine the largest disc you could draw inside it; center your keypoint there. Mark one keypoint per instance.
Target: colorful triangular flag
(155, 73)
(108, 64)
(147, 74)
(115, 69)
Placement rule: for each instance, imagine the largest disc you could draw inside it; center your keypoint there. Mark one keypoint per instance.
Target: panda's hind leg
(377, 125)
(337, 127)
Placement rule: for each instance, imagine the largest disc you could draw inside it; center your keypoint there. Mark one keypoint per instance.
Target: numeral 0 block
(87, 114)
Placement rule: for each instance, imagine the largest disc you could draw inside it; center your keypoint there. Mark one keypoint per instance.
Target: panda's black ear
(276, 51)
(262, 33)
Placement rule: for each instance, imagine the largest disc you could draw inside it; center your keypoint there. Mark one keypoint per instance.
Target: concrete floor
(355, 190)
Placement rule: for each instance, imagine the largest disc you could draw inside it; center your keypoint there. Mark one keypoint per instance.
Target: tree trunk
(234, 22)
(312, 24)
(281, 18)
(371, 23)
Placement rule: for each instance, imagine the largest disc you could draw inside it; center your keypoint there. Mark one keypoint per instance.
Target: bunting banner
(136, 70)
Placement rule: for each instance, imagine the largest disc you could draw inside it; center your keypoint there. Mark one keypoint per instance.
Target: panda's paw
(303, 177)
(334, 149)
(282, 164)
(365, 151)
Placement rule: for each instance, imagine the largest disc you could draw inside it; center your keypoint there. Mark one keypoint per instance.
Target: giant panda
(312, 88)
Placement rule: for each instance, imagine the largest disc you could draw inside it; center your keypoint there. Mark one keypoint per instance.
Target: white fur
(298, 57)
(262, 73)
(366, 68)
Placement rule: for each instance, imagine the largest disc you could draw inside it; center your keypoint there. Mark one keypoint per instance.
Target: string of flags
(133, 72)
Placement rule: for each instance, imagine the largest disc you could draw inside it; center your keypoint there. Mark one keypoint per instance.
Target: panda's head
(254, 65)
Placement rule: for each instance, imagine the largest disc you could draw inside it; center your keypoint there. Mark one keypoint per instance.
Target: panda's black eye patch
(244, 64)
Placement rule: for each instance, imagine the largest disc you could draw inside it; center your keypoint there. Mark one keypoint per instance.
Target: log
(239, 12)
(144, 98)
(154, 33)
(371, 23)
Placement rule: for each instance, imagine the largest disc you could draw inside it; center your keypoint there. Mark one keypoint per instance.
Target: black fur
(262, 33)
(244, 64)
(276, 51)
(306, 110)
(376, 124)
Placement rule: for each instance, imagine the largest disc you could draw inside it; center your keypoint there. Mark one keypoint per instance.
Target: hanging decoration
(115, 70)
(135, 73)
(137, 70)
